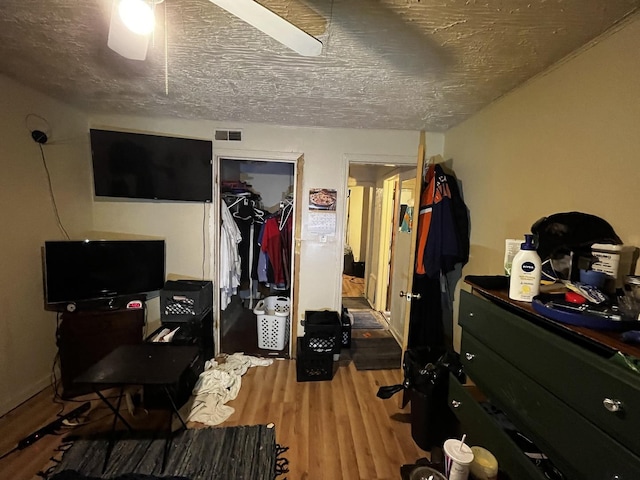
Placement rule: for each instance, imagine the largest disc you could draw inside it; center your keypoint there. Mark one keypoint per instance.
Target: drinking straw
(462, 442)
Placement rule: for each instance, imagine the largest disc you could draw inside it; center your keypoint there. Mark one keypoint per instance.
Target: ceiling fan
(132, 23)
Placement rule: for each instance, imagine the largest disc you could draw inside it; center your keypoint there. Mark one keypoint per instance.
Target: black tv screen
(135, 165)
(87, 270)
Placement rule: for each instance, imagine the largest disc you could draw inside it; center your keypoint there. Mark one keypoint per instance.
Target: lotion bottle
(526, 268)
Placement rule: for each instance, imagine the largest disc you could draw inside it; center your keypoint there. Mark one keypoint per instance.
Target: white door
(402, 268)
(405, 249)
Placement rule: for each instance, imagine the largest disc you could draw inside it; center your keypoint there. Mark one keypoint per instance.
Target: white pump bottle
(526, 269)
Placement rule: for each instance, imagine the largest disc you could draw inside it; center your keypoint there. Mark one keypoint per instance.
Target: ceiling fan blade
(123, 41)
(273, 25)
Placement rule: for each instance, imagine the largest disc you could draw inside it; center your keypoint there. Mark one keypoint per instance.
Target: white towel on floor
(219, 384)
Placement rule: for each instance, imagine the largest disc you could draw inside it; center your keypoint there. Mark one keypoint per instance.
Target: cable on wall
(40, 137)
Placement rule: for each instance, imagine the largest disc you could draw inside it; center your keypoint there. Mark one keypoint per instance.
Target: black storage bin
(358, 269)
(313, 366)
(319, 342)
(346, 328)
(323, 323)
(183, 300)
(348, 264)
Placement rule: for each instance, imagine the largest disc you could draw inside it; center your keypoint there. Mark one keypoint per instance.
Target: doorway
(256, 264)
(373, 226)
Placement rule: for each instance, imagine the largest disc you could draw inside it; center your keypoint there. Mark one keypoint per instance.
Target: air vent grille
(228, 135)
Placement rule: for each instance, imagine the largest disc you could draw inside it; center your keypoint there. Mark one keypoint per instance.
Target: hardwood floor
(352, 286)
(334, 430)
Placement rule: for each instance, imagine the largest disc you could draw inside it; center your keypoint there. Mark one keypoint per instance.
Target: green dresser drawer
(483, 431)
(584, 380)
(575, 445)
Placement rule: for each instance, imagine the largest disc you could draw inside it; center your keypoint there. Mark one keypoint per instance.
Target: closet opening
(257, 213)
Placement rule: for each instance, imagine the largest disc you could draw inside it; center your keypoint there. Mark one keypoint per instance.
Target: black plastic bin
(323, 327)
(358, 269)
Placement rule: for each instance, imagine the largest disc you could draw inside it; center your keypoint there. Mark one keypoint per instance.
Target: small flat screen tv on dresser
(101, 274)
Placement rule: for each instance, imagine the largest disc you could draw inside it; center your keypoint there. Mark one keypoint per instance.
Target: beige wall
(357, 215)
(567, 140)
(326, 155)
(27, 331)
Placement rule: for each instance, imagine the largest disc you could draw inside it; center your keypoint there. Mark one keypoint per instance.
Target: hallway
(354, 300)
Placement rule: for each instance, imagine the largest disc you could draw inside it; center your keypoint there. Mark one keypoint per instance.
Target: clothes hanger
(284, 216)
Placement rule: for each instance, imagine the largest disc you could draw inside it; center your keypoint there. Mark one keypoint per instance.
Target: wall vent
(228, 135)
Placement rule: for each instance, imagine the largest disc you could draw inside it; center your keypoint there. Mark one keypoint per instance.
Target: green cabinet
(579, 407)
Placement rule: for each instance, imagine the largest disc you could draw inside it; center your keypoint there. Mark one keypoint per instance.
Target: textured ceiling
(398, 64)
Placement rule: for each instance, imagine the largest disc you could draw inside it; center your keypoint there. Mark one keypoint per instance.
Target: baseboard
(17, 398)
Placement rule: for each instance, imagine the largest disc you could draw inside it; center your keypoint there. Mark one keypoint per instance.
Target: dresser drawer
(483, 431)
(575, 445)
(582, 379)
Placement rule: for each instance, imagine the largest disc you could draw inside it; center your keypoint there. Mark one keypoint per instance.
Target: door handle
(409, 296)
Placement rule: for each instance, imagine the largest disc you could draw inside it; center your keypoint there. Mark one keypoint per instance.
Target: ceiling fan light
(123, 40)
(137, 15)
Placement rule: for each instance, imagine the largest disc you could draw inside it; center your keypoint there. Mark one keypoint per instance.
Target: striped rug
(246, 452)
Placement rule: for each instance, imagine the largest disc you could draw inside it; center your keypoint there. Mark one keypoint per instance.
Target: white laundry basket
(273, 322)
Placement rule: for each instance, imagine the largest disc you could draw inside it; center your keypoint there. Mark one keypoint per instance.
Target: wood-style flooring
(335, 429)
(352, 286)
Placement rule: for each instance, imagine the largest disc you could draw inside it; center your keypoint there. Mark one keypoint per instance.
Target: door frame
(391, 161)
(295, 158)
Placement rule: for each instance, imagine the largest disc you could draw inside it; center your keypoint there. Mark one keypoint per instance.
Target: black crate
(346, 328)
(320, 323)
(320, 342)
(185, 300)
(312, 366)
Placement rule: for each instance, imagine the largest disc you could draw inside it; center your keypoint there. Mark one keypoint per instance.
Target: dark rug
(376, 353)
(355, 303)
(247, 453)
(366, 320)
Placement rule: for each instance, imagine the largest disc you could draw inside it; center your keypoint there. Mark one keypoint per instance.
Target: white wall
(27, 331)
(566, 141)
(326, 153)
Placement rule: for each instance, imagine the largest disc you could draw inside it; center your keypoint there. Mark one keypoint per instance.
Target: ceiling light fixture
(132, 22)
(137, 16)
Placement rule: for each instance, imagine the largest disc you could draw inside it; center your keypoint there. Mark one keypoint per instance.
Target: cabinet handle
(455, 403)
(612, 405)
(469, 356)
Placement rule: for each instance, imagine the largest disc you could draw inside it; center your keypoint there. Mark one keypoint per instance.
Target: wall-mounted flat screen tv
(154, 167)
(90, 270)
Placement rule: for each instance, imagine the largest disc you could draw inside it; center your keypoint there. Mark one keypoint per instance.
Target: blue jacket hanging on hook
(443, 229)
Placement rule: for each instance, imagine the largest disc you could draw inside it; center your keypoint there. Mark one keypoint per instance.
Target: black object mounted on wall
(152, 167)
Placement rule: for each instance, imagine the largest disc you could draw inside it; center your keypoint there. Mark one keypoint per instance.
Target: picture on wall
(322, 199)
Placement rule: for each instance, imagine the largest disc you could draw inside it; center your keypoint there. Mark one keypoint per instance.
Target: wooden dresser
(570, 390)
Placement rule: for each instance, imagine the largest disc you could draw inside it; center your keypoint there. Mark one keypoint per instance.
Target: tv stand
(86, 336)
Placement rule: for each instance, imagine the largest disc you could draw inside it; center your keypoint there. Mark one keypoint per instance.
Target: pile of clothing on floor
(218, 384)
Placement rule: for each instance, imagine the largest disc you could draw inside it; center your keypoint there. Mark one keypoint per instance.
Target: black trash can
(425, 385)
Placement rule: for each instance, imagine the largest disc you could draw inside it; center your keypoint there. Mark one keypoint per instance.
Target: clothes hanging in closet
(230, 264)
(245, 210)
(275, 242)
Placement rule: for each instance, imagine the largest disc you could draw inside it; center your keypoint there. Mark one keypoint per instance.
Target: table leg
(116, 416)
(174, 409)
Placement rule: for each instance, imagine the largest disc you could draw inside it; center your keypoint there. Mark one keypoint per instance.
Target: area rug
(366, 320)
(246, 452)
(355, 303)
(376, 353)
